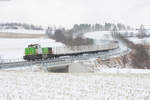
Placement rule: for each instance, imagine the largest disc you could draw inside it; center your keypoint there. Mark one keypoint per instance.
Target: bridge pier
(59, 69)
(70, 68)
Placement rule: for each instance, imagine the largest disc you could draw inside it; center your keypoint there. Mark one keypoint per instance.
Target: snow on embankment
(14, 48)
(44, 86)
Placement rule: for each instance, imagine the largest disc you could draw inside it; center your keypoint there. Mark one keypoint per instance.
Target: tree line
(84, 28)
(20, 25)
(74, 36)
(69, 39)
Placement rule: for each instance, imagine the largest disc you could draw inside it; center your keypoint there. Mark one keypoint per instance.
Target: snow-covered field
(44, 86)
(100, 35)
(105, 35)
(123, 71)
(22, 31)
(14, 48)
(140, 41)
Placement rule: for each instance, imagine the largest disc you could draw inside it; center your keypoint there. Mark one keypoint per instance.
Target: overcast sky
(69, 12)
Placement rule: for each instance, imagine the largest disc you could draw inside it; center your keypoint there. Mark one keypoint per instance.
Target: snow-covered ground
(123, 70)
(22, 31)
(106, 35)
(100, 35)
(44, 86)
(14, 48)
(140, 41)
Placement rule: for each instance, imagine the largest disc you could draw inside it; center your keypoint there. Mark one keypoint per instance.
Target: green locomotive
(35, 51)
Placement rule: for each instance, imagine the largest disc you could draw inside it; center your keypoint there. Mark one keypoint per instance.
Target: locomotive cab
(35, 51)
(37, 48)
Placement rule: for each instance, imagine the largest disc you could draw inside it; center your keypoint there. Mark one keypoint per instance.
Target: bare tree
(67, 37)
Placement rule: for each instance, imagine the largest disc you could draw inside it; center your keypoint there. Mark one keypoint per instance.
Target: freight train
(36, 52)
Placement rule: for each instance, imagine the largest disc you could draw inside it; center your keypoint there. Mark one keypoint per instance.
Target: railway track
(62, 60)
